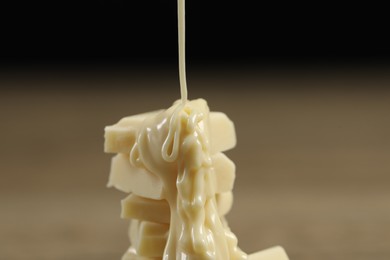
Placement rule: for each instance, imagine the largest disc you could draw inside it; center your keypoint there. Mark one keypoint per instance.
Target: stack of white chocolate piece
(145, 204)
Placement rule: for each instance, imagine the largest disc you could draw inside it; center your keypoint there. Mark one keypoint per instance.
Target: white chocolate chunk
(120, 137)
(132, 255)
(222, 132)
(127, 178)
(136, 120)
(140, 208)
(158, 211)
(133, 230)
(152, 239)
(225, 171)
(224, 202)
(119, 177)
(141, 232)
(273, 253)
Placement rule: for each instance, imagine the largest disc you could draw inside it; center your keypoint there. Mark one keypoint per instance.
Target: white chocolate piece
(127, 178)
(137, 207)
(133, 230)
(120, 137)
(158, 211)
(224, 202)
(273, 253)
(141, 182)
(222, 133)
(148, 240)
(225, 172)
(120, 177)
(132, 255)
(152, 238)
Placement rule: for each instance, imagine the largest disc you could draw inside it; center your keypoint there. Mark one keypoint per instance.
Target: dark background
(234, 33)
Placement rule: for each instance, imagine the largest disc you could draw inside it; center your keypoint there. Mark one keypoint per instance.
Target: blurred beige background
(313, 166)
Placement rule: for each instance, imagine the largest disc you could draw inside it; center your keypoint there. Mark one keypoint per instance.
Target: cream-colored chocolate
(222, 133)
(127, 178)
(137, 207)
(170, 162)
(273, 253)
(224, 202)
(225, 172)
(174, 146)
(180, 182)
(152, 238)
(119, 138)
(182, 52)
(177, 184)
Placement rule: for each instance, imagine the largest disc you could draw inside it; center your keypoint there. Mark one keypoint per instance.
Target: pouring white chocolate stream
(182, 52)
(180, 182)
